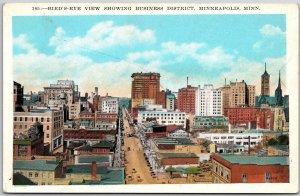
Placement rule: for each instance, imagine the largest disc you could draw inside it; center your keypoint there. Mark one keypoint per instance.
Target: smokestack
(249, 145)
(187, 81)
(96, 90)
(94, 171)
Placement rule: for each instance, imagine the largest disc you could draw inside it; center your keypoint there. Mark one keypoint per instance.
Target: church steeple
(278, 92)
(265, 83)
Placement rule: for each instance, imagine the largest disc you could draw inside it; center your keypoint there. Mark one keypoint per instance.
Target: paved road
(135, 159)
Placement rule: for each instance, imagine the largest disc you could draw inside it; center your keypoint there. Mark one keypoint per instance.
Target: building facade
(63, 92)
(110, 105)
(163, 117)
(265, 83)
(187, 99)
(209, 123)
(234, 138)
(41, 172)
(52, 121)
(208, 101)
(18, 96)
(170, 100)
(249, 169)
(145, 86)
(238, 94)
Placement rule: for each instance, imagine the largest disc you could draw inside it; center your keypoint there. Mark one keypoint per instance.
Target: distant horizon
(103, 51)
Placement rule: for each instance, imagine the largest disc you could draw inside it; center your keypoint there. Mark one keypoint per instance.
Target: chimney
(94, 171)
(96, 90)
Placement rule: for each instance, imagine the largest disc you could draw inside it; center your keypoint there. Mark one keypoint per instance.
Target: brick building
(18, 96)
(187, 99)
(162, 98)
(259, 117)
(29, 144)
(98, 117)
(145, 86)
(177, 160)
(249, 169)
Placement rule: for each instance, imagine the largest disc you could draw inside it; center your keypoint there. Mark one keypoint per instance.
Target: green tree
(171, 170)
(283, 140)
(272, 142)
(191, 170)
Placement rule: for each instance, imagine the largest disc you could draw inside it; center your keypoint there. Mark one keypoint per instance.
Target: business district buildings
(204, 134)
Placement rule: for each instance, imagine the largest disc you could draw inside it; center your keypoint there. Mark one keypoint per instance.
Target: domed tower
(265, 83)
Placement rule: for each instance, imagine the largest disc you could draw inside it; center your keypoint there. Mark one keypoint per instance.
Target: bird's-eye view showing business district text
(197, 135)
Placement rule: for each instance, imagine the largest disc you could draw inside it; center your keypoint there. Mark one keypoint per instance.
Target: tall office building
(187, 99)
(208, 101)
(265, 83)
(63, 92)
(144, 86)
(238, 94)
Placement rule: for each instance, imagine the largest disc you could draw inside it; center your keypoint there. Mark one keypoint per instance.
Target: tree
(171, 170)
(283, 140)
(191, 170)
(272, 142)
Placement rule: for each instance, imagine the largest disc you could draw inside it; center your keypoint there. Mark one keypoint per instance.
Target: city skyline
(125, 45)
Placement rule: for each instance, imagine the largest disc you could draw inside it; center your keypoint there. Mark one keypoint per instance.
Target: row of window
(27, 127)
(32, 119)
(163, 114)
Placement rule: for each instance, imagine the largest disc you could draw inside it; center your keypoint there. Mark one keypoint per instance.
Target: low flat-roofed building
(40, 172)
(100, 160)
(234, 138)
(163, 117)
(178, 160)
(228, 168)
(175, 145)
(209, 123)
(86, 175)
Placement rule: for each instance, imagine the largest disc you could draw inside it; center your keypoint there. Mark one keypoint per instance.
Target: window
(36, 174)
(43, 183)
(244, 176)
(47, 135)
(221, 171)
(25, 118)
(47, 127)
(268, 177)
(21, 118)
(30, 174)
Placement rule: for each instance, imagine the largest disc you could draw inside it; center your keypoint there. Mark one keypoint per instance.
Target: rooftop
(255, 160)
(90, 159)
(103, 144)
(178, 155)
(174, 141)
(210, 119)
(38, 165)
(108, 175)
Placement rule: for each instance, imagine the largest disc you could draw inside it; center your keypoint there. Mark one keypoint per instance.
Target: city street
(135, 164)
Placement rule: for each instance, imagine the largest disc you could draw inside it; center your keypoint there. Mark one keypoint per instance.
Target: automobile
(139, 179)
(129, 177)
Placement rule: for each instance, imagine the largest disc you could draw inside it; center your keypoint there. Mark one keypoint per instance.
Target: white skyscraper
(208, 101)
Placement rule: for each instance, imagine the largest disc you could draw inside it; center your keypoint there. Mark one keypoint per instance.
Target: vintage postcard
(150, 98)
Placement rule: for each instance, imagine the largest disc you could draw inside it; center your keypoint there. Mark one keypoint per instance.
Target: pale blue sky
(103, 51)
